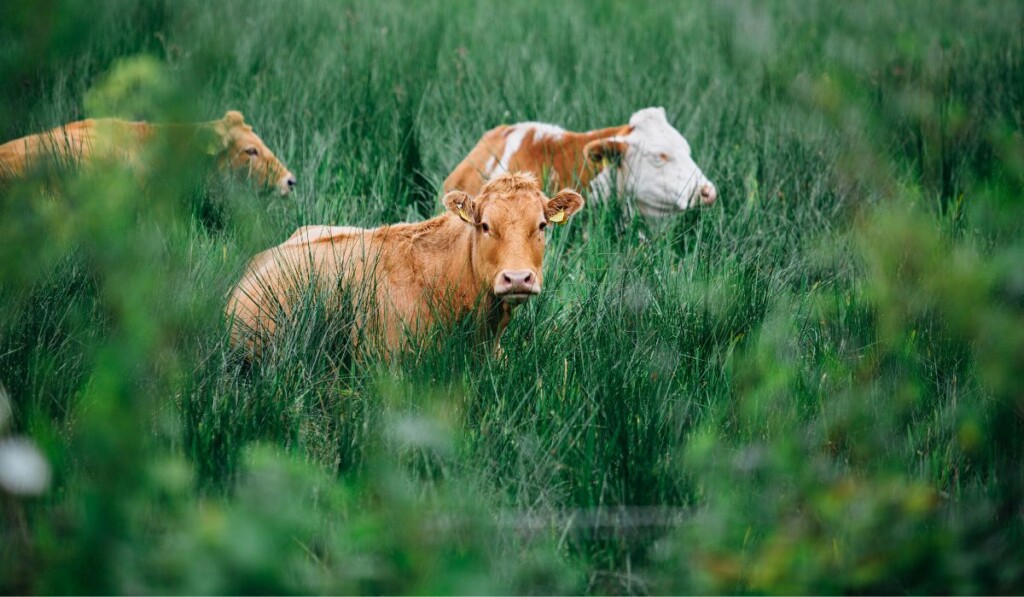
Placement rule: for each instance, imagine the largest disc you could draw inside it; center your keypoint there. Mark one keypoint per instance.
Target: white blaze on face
(658, 169)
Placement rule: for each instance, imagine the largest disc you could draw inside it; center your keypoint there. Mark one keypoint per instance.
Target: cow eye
(543, 225)
(252, 151)
(485, 227)
(664, 157)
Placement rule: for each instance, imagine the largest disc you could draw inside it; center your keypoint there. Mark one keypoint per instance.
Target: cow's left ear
(605, 152)
(462, 205)
(562, 206)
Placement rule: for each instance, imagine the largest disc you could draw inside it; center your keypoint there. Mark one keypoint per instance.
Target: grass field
(816, 385)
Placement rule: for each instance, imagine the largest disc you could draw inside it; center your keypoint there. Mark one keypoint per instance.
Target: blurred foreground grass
(815, 386)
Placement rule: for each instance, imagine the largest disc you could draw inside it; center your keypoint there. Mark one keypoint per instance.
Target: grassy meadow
(814, 386)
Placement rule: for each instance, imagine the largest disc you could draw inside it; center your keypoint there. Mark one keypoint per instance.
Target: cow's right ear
(462, 205)
(605, 152)
(233, 118)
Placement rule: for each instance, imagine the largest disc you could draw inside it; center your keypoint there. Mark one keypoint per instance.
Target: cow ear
(234, 118)
(462, 205)
(605, 152)
(562, 206)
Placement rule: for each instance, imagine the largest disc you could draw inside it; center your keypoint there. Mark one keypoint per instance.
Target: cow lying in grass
(229, 141)
(483, 253)
(647, 159)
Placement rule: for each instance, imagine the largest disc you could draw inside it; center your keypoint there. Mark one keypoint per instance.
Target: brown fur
(414, 272)
(572, 160)
(227, 139)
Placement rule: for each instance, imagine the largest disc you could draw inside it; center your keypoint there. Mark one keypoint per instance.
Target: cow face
(510, 220)
(653, 164)
(237, 147)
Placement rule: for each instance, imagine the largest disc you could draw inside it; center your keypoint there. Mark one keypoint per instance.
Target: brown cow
(484, 252)
(647, 159)
(229, 140)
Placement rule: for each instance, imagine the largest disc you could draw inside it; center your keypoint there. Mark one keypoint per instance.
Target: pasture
(815, 385)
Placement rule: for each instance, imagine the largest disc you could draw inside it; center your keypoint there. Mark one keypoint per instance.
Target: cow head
(511, 218)
(239, 149)
(651, 163)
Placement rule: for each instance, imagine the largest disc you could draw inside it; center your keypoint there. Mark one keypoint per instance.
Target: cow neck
(447, 242)
(189, 131)
(178, 128)
(496, 315)
(492, 312)
(587, 171)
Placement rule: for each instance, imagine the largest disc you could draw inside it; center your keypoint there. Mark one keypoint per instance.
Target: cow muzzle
(516, 286)
(707, 194)
(703, 194)
(286, 184)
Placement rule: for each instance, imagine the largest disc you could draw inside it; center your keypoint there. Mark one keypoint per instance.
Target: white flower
(23, 470)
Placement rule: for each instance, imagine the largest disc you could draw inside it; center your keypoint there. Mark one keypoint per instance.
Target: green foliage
(133, 87)
(814, 386)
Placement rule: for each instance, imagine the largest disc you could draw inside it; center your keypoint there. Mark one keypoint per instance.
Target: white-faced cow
(647, 159)
(484, 252)
(230, 142)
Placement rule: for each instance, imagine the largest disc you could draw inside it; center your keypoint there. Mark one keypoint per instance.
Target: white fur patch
(543, 130)
(514, 141)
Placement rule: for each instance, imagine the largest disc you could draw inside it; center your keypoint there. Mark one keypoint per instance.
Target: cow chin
(516, 298)
(675, 199)
(658, 209)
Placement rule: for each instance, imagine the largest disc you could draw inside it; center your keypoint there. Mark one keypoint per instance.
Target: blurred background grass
(817, 385)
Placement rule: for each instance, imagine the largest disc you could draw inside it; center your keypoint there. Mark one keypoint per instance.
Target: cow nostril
(291, 181)
(507, 278)
(528, 278)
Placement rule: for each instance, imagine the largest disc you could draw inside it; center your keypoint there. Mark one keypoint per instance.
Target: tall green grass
(813, 386)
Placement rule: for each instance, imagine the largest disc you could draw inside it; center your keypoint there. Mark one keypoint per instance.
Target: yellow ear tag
(604, 163)
(462, 214)
(558, 218)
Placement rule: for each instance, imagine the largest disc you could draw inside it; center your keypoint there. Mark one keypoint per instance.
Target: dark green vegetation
(815, 386)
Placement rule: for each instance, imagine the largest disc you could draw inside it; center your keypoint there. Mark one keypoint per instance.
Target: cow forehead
(512, 208)
(240, 136)
(658, 137)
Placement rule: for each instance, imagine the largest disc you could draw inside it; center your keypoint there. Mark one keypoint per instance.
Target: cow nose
(286, 184)
(708, 194)
(516, 284)
(518, 277)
